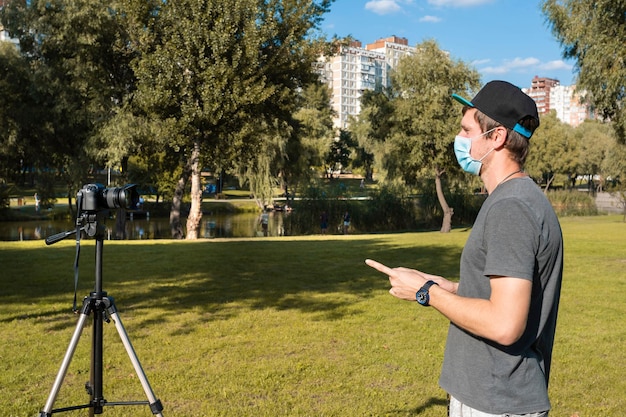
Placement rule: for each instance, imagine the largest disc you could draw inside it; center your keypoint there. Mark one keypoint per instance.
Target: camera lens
(94, 197)
(121, 197)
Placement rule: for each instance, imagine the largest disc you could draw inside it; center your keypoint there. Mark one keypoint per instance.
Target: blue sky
(503, 39)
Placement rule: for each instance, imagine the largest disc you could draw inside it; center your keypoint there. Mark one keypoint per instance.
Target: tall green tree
(214, 67)
(259, 169)
(595, 142)
(553, 151)
(340, 153)
(79, 70)
(371, 128)
(14, 113)
(313, 136)
(593, 33)
(426, 118)
(291, 148)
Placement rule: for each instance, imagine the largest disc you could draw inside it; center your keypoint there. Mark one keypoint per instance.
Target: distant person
(346, 223)
(362, 183)
(324, 222)
(264, 220)
(37, 203)
(502, 313)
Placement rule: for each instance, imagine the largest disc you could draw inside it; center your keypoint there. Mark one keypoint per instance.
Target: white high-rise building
(355, 69)
(549, 95)
(568, 105)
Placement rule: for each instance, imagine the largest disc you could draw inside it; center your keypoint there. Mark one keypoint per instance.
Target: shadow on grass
(431, 402)
(218, 278)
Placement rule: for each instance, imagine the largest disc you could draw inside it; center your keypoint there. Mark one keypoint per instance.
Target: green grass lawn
(292, 326)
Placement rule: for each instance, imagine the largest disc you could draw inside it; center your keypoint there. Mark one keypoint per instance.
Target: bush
(305, 218)
(46, 190)
(388, 209)
(572, 203)
(5, 196)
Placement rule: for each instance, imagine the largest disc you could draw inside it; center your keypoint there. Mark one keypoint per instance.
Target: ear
(499, 137)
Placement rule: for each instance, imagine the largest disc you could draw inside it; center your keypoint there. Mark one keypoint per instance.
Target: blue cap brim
(523, 131)
(462, 100)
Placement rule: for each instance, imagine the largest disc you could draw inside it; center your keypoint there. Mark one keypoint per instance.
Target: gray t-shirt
(516, 234)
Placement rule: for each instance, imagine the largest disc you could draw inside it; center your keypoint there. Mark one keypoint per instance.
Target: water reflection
(212, 226)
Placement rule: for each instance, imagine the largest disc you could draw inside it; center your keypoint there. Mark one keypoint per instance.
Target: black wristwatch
(422, 295)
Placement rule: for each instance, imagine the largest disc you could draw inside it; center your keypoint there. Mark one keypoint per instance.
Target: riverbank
(23, 209)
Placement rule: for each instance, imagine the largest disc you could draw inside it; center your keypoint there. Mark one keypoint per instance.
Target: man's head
(506, 104)
(500, 103)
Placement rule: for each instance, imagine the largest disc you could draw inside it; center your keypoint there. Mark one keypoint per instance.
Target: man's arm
(502, 318)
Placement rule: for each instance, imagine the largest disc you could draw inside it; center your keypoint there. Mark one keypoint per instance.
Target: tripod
(103, 308)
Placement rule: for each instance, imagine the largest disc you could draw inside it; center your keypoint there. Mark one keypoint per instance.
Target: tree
(340, 152)
(215, 67)
(14, 112)
(553, 151)
(371, 128)
(313, 135)
(593, 33)
(259, 169)
(78, 55)
(426, 118)
(614, 169)
(594, 143)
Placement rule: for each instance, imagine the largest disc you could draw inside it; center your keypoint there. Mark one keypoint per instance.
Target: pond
(212, 226)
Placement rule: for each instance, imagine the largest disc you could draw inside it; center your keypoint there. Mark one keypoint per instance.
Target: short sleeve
(511, 240)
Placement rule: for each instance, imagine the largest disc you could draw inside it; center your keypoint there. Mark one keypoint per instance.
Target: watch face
(422, 297)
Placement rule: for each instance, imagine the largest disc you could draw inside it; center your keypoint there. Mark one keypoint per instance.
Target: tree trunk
(175, 225)
(70, 206)
(446, 225)
(177, 200)
(195, 212)
(550, 179)
(120, 224)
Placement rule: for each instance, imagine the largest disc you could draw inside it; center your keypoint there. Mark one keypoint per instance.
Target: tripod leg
(47, 410)
(155, 404)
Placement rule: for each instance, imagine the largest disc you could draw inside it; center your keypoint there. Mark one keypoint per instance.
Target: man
(503, 310)
(264, 220)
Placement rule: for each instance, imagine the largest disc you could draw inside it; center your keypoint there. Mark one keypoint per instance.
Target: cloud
(430, 19)
(515, 64)
(458, 3)
(387, 6)
(555, 65)
(479, 62)
(383, 6)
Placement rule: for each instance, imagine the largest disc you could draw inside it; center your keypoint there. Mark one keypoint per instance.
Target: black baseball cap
(504, 103)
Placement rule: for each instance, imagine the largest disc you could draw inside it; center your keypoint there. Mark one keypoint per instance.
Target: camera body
(96, 197)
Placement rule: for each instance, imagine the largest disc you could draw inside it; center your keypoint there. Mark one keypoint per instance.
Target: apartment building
(354, 69)
(4, 35)
(540, 92)
(569, 105)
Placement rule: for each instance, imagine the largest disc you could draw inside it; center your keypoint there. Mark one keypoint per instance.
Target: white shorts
(457, 409)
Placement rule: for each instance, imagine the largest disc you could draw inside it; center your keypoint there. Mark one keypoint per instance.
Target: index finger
(379, 267)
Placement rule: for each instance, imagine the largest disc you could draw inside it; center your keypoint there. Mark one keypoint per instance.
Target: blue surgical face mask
(462, 148)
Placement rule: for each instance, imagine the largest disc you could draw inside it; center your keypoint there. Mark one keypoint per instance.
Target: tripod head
(91, 224)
